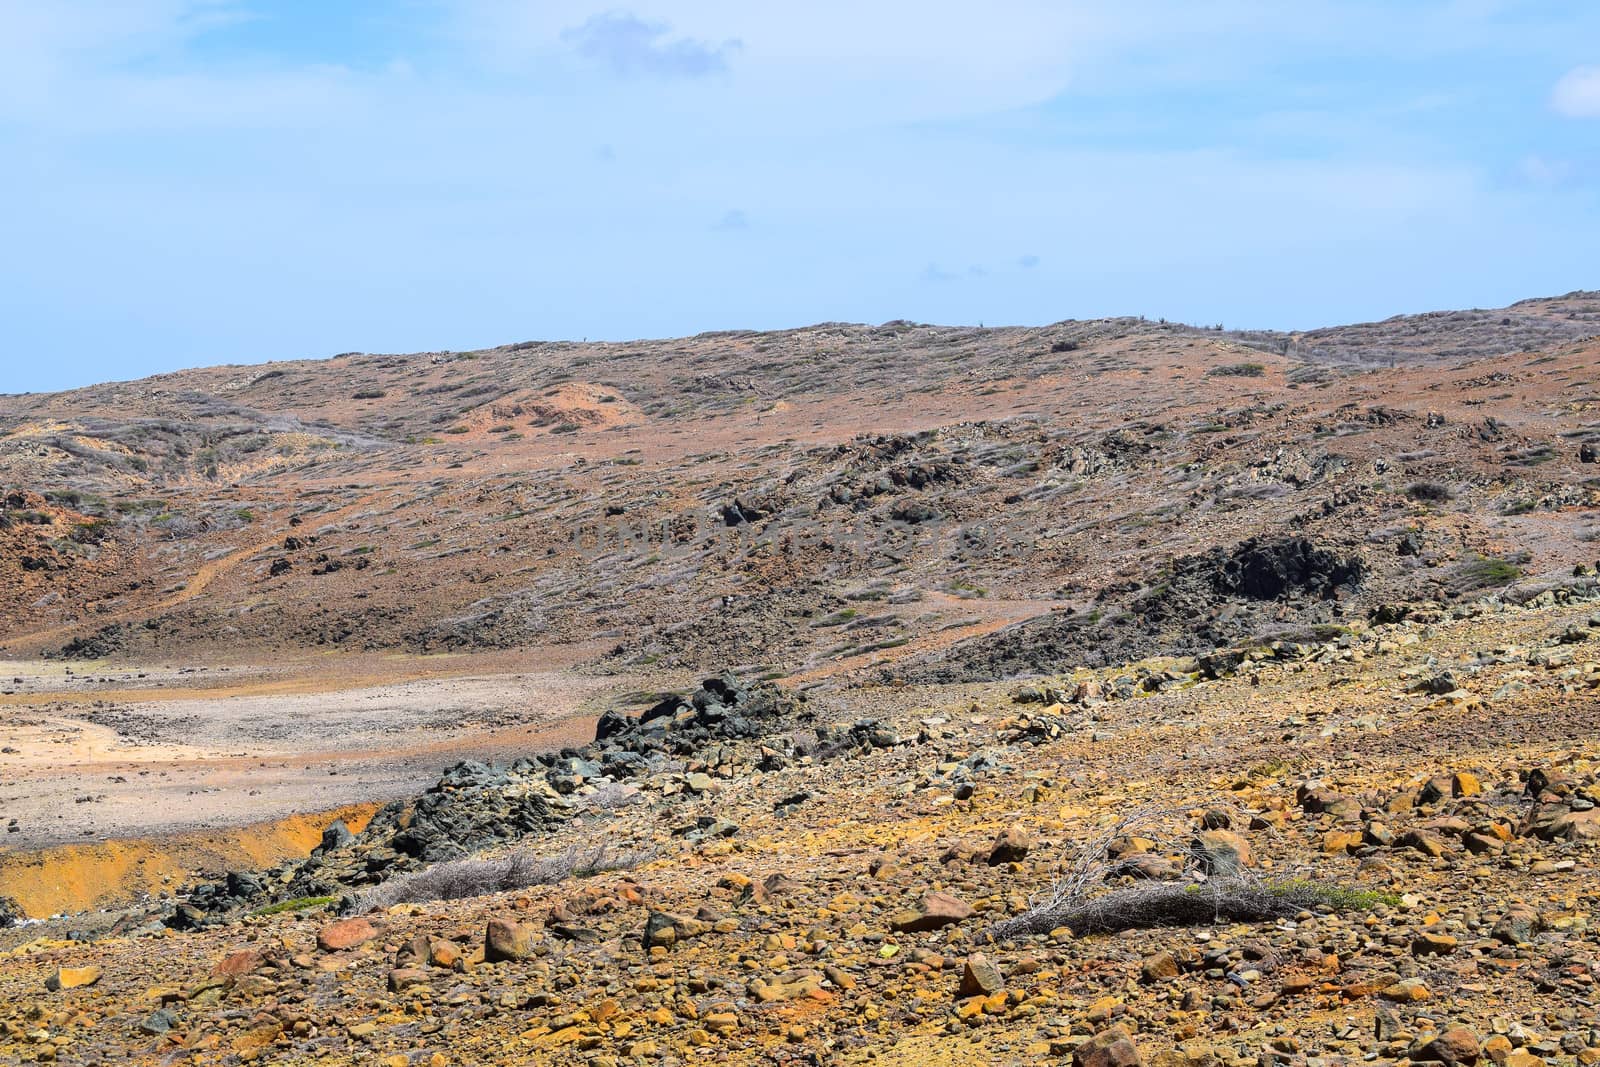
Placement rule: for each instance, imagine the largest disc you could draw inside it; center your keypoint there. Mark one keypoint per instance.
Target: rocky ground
(1116, 692)
(1415, 801)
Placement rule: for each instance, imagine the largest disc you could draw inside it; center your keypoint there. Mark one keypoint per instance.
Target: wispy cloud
(632, 46)
(1545, 172)
(877, 148)
(1577, 94)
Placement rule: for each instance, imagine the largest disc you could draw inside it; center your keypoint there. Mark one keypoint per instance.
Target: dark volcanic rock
(1271, 570)
(1258, 590)
(474, 806)
(722, 709)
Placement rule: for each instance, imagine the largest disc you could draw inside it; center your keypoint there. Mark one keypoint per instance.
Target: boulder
(663, 930)
(611, 724)
(1457, 1045)
(504, 939)
(345, 934)
(1517, 926)
(1221, 853)
(1562, 824)
(934, 912)
(237, 964)
(1159, 967)
(336, 836)
(1422, 841)
(1432, 943)
(1109, 1048)
(72, 978)
(1318, 799)
(1012, 846)
(404, 978)
(979, 977)
(158, 1022)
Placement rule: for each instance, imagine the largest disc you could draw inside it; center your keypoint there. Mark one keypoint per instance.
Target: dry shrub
(480, 877)
(1154, 904)
(1075, 900)
(611, 796)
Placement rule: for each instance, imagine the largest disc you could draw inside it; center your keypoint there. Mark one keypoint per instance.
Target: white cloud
(873, 148)
(1543, 171)
(79, 66)
(41, 40)
(819, 68)
(1577, 94)
(630, 45)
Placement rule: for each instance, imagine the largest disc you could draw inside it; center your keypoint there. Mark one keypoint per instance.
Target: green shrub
(1238, 370)
(1487, 571)
(297, 904)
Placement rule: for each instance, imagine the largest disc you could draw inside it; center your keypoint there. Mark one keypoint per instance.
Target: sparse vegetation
(1487, 571)
(1076, 902)
(1215, 602)
(1238, 370)
(480, 877)
(297, 904)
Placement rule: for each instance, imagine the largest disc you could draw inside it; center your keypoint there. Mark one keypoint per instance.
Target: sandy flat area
(96, 754)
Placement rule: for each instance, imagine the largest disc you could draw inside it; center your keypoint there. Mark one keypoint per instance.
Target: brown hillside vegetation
(922, 476)
(1115, 692)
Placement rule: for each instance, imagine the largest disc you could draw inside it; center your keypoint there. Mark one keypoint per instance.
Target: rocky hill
(1114, 693)
(803, 500)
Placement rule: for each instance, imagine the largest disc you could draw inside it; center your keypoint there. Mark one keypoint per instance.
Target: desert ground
(1118, 692)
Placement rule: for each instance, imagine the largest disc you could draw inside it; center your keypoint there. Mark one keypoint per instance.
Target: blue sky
(192, 182)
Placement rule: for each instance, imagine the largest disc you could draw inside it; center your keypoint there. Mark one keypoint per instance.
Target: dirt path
(993, 615)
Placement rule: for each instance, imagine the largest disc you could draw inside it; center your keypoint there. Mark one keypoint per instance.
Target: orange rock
(1110, 1048)
(1335, 841)
(345, 934)
(936, 910)
(442, 953)
(72, 978)
(403, 978)
(1409, 991)
(507, 940)
(237, 965)
(256, 1038)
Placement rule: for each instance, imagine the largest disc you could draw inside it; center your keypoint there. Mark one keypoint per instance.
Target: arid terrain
(1111, 692)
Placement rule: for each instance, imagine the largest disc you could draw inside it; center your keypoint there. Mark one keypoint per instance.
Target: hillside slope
(817, 500)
